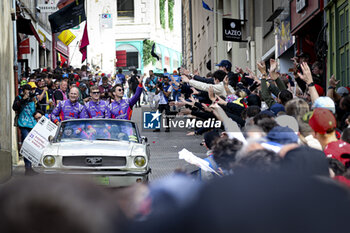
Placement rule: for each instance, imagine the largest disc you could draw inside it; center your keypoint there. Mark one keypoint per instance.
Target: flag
(66, 37)
(84, 43)
(68, 17)
(153, 53)
(61, 58)
(205, 6)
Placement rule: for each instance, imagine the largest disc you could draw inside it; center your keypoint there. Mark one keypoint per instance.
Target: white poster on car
(37, 139)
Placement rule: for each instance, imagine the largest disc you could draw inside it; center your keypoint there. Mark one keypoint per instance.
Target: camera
(160, 85)
(31, 95)
(299, 69)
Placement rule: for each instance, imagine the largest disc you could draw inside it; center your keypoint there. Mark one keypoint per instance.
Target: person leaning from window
(24, 105)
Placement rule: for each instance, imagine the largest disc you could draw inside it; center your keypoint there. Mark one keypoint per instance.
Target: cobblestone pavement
(164, 148)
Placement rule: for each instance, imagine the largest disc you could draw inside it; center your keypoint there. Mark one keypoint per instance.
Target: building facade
(203, 42)
(36, 47)
(339, 34)
(129, 27)
(7, 131)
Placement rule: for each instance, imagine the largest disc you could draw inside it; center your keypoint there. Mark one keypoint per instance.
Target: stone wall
(7, 147)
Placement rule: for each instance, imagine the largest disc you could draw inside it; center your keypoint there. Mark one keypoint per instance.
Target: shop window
(125, 8)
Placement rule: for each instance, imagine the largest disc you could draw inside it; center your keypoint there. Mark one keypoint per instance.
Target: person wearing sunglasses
(122, 108)
(96, 108)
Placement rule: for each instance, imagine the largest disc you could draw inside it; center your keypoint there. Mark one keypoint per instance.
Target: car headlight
(139, 161)
(49, 161)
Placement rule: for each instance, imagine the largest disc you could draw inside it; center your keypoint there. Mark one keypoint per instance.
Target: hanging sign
(232, 30)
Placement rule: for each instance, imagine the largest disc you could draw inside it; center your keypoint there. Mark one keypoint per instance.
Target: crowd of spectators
(280, 162)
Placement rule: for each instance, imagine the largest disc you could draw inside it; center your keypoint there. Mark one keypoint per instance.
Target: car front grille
(93, 161)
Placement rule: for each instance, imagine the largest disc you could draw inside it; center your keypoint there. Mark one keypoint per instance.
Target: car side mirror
(50, 139)
(144, 139)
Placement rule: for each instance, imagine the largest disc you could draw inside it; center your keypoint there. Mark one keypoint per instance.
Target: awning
(25, 26)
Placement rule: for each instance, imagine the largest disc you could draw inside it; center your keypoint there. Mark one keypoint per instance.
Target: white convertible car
(109, 150)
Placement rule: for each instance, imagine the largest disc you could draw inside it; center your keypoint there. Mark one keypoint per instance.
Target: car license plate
(104, 180)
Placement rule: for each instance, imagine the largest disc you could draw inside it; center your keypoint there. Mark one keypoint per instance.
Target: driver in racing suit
(69, 109)
(122, 108)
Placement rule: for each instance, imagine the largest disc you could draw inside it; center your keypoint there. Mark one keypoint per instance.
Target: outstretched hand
(184, 79)
(306, 76)
(211, 94)
(251, 74)
(333, 82)
(262, 67)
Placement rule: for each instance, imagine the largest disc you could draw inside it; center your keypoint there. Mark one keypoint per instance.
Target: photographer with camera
(24, 105)
(150, 84)
(42, 95)
(163, 90)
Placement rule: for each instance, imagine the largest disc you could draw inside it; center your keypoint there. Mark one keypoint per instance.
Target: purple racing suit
(97, 109)
(67, 110)
(122, 109)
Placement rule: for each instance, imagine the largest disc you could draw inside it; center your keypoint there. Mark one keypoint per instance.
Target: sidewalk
(18, 170)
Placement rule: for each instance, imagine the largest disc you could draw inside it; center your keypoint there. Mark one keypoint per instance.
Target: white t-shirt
(162, 99)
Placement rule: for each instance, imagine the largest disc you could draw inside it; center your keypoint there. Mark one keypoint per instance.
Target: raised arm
(137, 95)
(307, 77)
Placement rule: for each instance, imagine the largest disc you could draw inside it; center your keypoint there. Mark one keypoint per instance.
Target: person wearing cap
(323, 124)
(24, 105)
(342, 91)
(226, 66)
(175, 83)
(324, 102)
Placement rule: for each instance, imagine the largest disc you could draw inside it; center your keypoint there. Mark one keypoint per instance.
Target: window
(125, 8)
(343, 44)
(127, 56)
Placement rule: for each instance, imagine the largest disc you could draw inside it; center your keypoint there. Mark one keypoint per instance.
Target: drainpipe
(15, 64)
(215, 58)
(191, 33)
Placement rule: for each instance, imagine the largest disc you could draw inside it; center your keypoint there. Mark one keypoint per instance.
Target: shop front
(308, 27)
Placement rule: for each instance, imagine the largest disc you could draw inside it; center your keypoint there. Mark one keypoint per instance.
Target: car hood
(106, 148)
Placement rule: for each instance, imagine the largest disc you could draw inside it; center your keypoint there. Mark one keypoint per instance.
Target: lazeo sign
(231, 30)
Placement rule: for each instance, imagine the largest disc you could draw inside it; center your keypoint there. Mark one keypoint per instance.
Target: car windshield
(108, 130)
